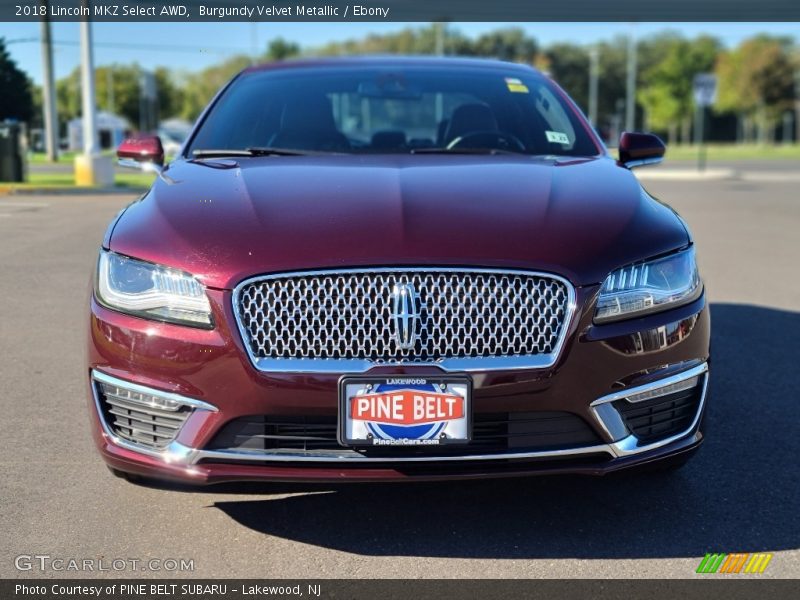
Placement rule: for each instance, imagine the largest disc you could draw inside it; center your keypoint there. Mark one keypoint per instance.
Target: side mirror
(143, 152)
(639, 149)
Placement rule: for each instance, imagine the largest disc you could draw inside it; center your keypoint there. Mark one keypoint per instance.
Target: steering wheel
(489, 139)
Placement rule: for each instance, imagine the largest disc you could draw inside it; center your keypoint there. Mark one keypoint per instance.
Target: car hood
(226, 220)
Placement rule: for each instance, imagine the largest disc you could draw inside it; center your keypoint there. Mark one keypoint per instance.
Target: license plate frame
(457, 431)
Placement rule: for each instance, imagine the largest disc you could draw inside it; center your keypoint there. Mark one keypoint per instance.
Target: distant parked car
(173, 132)
(392, 269)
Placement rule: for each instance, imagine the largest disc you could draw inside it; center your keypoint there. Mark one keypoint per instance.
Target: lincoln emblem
(404, 315)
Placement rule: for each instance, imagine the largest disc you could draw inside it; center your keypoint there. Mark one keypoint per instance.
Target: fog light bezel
(623, 442)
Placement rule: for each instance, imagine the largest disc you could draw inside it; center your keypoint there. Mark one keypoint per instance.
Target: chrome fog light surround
(624, 442)
(148, 401)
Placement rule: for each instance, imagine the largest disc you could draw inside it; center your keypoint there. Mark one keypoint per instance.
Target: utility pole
(88, 115)
(700, 135)
(594, 76)
(253, 43)
(630, 96)
(48, 91)
(90, 167)
(439, 29)
(439, 50)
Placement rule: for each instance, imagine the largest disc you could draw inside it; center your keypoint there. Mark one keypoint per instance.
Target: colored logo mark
(738, 562)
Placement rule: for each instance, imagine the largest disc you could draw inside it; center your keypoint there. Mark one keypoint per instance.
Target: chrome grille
(459, 314)
(137, 418)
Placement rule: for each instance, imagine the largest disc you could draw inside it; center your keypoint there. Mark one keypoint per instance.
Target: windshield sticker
(557, 137)
(515, 85)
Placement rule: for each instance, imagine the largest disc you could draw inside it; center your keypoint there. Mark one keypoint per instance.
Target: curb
(11, 190)
(687, 174)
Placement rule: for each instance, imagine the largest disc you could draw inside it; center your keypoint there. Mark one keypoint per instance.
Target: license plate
(404, 411)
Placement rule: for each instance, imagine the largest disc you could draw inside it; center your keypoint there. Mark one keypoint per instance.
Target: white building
(111, 130)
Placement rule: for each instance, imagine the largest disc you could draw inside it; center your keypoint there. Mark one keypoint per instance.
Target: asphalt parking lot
(738, 495)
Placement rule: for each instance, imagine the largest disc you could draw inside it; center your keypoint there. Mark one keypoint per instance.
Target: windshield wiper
(255, 151)
(490, 151)
(270, 151)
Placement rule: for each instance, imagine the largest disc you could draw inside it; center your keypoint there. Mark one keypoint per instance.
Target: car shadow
(738, 494)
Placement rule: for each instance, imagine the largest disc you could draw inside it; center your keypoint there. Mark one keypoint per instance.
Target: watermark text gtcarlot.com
(44, 563)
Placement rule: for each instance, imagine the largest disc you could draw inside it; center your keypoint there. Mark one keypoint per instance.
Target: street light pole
(253, 43)
(89, 116)
(48, 92)
(630, 97)
(90, 167)
(439, 29)
(594, 75)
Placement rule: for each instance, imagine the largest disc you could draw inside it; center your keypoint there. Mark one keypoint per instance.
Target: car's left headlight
(648, 287)
(151, 291)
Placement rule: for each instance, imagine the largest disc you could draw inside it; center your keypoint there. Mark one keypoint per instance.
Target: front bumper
(599, 368)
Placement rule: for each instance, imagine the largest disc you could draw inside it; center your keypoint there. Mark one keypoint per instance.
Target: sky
(194, 46)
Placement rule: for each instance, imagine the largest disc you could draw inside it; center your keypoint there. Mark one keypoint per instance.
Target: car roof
(394, 61)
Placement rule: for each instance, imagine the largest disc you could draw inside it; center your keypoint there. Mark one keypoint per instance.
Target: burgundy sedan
(393, 269)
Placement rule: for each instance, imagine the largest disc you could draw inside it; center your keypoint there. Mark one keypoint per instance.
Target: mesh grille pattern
(461, 314)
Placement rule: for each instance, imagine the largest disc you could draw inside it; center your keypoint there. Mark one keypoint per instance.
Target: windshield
(391, 111)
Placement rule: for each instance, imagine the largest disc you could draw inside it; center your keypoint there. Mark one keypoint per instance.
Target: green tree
(411, 40)
(281, 49)
(16, 99)
(37, 110)
(117, 89)
(666, 87)
(756, 81)
(511, 44)
(506, 44)
(568, 64)
(612, 73)
(199, 88)
(68, 96)
(613, 58)
(170, 94)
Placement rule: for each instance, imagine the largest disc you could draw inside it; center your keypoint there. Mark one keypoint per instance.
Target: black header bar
(701, 588)
(402, 10)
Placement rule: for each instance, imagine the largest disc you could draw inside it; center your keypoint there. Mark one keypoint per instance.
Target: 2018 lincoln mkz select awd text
(399, 268)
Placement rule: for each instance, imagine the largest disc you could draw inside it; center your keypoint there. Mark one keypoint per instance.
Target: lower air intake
(145, 419)
(660, 417)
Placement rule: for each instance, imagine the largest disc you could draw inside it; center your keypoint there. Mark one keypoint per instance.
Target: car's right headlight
(648, 287)
(151, 291)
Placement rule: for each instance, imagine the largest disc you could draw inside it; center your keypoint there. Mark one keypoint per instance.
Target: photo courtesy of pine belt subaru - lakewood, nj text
(394, 269)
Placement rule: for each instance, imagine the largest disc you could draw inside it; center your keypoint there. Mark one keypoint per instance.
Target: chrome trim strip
(190, 402)
(348, 457)
(653, 385)
(498, 363)
(355, 366)
(643, 162)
